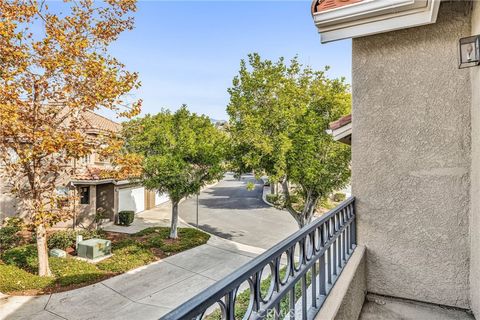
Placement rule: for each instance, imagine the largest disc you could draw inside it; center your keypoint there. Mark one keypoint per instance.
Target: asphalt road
(230, 211)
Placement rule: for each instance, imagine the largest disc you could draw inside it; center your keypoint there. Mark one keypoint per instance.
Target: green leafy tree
(182, 152)
(279, 117)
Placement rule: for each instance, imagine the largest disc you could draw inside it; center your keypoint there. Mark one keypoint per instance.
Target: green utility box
(94, 248)
(58, 253)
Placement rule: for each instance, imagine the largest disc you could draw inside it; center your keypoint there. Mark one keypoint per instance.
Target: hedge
(125, 218)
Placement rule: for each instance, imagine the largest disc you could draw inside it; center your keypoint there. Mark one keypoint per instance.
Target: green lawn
(18, 266)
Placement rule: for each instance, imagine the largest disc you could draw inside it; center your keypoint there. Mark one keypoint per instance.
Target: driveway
(230, 211)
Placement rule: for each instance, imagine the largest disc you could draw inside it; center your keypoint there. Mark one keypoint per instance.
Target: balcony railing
(299, 272)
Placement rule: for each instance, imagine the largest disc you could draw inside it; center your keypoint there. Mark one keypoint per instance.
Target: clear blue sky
(189, 51)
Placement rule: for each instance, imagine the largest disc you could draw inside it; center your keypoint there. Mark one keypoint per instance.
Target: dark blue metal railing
(301, 271)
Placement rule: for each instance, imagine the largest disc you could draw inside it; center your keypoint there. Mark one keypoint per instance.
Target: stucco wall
(475, 177)
(411, 159)
(8, 204)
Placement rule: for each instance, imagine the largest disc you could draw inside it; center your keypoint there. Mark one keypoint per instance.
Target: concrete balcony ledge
(346, 299)
(378, 307)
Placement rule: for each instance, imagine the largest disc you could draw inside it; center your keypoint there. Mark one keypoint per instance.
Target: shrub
(66, 238)
(339, 197)
(24, 257)
(62, 239)
(125, 218)
(13, 279)
(8, 237)
(273, 198)
(14, 222)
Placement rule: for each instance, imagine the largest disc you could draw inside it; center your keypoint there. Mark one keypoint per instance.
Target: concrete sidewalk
(155, 217)
(145, 293)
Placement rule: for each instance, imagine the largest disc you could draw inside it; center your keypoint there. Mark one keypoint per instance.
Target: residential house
(341, 129)
(410, 238)
(414, 148)
(95, 193)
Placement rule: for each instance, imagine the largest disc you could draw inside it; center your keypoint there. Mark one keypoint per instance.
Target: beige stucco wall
(8, 204)
(475, 178)
(411, 159)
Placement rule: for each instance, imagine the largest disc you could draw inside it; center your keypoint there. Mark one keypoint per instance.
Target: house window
(84, 195)
(85, 159)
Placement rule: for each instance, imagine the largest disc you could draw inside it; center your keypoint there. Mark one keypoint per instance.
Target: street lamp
(469, 51)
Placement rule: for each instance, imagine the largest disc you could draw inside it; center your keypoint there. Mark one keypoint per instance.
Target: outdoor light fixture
(469, 52)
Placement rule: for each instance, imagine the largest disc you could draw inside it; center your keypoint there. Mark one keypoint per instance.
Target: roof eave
(343, 133)
(370, 17)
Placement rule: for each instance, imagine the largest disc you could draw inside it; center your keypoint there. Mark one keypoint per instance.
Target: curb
(208, 186)
(266, 190)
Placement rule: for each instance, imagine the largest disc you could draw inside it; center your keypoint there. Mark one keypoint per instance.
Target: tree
(54, 67)
(279, 116)
(182, 152)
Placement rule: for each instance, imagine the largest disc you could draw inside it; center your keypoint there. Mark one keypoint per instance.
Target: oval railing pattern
(301, 270)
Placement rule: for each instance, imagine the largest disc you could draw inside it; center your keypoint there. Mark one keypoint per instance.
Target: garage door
(161, 198)
(131, 199)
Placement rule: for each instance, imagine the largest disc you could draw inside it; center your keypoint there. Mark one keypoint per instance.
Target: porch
(318, 272)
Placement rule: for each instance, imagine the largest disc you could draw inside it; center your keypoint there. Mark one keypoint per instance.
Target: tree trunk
(173, 228)
(273, 187)
(43, 265)
(305, 216)
(300, 222)
(309, 209)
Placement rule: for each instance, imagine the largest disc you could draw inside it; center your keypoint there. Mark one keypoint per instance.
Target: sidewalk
(155, 217)
(144, 293)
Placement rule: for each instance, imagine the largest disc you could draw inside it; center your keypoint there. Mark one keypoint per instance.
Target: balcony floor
(383, 308)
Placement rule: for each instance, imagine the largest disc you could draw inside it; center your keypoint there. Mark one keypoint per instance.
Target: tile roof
(98, 122)
(94, 173)
(89, 173)
(341, 122)
(324, 5)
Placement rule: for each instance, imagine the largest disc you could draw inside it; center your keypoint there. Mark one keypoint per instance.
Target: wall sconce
(469, 52)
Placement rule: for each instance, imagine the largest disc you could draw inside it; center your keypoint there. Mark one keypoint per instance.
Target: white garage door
(131, 199)
(161, 198)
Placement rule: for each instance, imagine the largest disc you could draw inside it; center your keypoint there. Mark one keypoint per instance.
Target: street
(230, 211)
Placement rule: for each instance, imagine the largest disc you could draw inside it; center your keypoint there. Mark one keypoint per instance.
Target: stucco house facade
(415, 140)
(94, 192)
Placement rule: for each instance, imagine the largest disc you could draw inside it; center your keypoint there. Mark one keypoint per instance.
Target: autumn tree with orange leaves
(54, 67)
